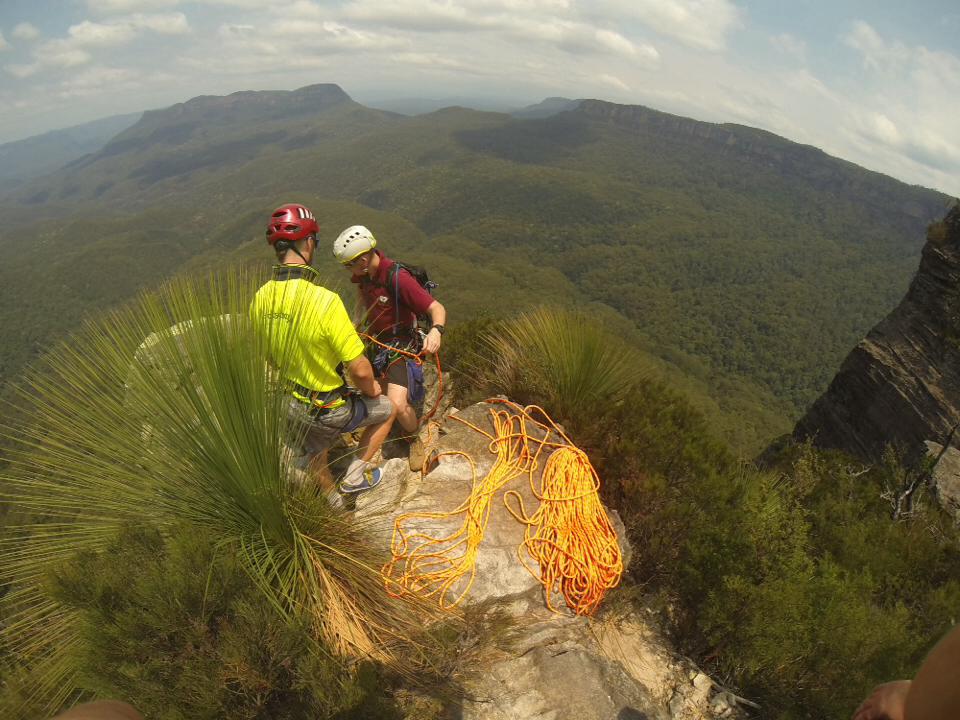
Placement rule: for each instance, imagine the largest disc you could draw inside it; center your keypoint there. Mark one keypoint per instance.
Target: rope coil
(569, 536)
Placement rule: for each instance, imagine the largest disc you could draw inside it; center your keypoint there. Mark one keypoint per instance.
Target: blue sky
(877, 83)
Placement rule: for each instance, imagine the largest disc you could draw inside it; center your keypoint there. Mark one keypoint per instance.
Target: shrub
(181, 631)
(165, 413)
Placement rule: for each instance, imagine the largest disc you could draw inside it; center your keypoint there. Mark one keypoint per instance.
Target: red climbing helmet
(291, 222)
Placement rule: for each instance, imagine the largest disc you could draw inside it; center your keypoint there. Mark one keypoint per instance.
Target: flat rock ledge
(540, 665)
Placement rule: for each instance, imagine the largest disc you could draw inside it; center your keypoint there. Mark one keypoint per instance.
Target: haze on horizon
(877, 83)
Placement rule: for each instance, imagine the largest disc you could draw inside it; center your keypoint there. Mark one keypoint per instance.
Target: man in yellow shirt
(310, 336)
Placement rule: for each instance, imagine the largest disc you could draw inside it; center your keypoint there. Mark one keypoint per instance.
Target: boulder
(945, 477)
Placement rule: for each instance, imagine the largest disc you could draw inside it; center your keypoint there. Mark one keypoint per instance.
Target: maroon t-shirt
(379, 298)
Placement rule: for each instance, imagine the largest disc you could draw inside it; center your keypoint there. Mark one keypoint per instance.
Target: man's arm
(361, 374)
(932, 695)
(438, 316)
(935, 693)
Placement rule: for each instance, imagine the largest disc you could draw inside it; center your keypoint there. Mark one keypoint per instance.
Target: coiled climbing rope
(569, 536)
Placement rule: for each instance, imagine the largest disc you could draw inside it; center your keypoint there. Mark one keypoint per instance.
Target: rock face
(901, 384)
(539, 665)
(945, 477)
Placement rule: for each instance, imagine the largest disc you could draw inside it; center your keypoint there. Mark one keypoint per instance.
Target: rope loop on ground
(569, 536)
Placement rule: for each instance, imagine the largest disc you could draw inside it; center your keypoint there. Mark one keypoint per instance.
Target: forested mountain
(749, 262)
(35, 156)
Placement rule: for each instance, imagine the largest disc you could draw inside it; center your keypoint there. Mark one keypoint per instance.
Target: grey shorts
(318, 432)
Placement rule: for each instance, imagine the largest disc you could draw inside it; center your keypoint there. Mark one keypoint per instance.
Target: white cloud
(85, 37)
(320, 37)
(25, 31)
(60, 53)
(805, 82)
(937, 73)
(418, 15)
(876, 53)
(91, 34)
(230, 32)
(617, 43)
(790, 45)
(882, 128)
(905, 116)
(113, 7)
(20, 70)
(552, 22)
(613, 81)
(4, 45)
(163, 24)
(701, 24)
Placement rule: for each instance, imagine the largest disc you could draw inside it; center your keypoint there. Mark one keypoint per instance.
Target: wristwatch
(438, 328)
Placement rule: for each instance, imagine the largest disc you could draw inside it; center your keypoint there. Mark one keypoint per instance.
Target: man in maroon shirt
(393, 299)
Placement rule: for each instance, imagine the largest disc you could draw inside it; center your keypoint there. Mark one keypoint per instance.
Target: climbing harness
(416, 359)
(569, 535)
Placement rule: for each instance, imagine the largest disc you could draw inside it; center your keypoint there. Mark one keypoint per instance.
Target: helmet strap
(301, 256)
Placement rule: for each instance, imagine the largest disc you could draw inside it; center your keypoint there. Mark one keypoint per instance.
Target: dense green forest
(746, 264)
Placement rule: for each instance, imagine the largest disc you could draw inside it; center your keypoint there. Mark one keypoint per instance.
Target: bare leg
(406, 415)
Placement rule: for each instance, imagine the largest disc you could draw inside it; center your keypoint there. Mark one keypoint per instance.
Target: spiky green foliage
(179, 629)
(168, 412)
(560, 358)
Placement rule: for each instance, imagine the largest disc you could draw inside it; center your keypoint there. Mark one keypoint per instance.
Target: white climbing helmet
(352, 243)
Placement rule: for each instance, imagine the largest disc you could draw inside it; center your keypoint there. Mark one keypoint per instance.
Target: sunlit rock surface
(530, 662)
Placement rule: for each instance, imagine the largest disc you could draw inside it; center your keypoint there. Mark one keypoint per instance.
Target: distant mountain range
(746, 264)
(35, 156)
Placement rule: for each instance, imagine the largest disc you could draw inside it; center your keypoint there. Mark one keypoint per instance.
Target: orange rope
(569, 536)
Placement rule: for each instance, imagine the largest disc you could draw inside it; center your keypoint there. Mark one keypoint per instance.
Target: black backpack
(418, 273)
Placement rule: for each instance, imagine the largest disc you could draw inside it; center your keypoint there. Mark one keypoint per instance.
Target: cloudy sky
(873, 81)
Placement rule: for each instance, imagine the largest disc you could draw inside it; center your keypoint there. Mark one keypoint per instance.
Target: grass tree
(559, 358)
(169, 412)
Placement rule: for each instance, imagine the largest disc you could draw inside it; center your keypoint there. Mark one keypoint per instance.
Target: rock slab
(543, 665)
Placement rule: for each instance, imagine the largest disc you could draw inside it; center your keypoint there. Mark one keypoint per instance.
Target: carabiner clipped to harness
(381, 361)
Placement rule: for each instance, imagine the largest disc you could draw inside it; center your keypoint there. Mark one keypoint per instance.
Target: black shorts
(397, 373)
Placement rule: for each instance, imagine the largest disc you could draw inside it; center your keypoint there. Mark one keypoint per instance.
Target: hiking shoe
(416, 456)
(369, 480)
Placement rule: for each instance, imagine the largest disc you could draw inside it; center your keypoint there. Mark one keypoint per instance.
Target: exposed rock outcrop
(539, 664)
(945, 477)
(901, 384)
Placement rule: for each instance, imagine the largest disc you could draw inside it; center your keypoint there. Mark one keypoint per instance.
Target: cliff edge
(901, 384)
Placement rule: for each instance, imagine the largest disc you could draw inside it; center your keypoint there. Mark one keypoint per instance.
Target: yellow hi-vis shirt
(307, 329)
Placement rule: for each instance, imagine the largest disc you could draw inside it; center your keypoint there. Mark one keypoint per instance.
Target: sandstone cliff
(901, 384)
